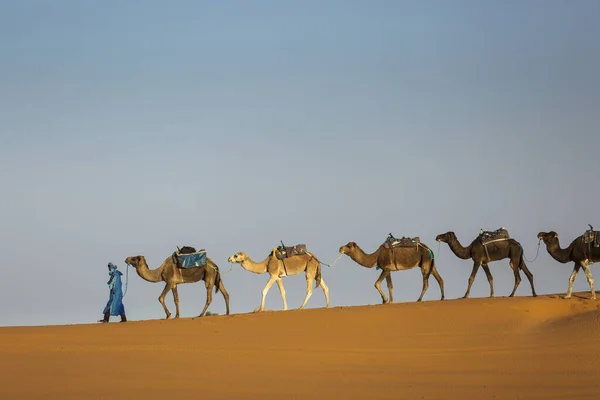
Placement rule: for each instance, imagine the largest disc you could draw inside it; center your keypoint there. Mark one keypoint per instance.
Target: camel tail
(217, 280)
(522, 259)
(318, 273)
(431, 256)
(318, 276)
(522, 265)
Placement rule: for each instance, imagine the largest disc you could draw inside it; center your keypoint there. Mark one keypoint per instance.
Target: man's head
(111, 266)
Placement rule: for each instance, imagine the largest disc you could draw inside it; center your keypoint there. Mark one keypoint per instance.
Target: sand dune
(502, 348)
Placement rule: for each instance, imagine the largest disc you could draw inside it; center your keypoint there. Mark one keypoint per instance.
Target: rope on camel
(536, 254)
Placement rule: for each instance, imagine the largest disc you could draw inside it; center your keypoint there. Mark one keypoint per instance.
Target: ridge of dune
(465, 348)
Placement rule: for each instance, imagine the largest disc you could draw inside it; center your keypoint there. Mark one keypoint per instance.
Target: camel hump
(391, 242)
(490, 236)
(283, 252)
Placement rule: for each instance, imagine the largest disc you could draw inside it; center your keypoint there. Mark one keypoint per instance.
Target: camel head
(238, 257)
(445, 237)
(134, 261)
(548, 237)
(348, 248)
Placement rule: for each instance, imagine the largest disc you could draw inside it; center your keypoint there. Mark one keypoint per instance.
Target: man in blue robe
(115, 301)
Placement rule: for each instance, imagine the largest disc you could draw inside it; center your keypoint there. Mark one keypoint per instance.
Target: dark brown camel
(578, 252)
(403, 258)
(496, 251)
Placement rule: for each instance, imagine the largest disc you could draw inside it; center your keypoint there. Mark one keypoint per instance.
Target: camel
(483, 255)
(578, 252)
(171, 274)
(403, 258)
(278, 269)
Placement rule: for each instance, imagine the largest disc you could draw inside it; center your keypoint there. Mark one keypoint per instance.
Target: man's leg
(106, 316)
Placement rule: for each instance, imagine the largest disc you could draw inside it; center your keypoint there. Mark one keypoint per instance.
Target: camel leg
(390, 285)
(490, 278)
(471, 279)
(309, 282)
(209, 287)
(426, 272)
(529, 276)
(439, 280)
(225, 296)
(176, 300)
(383, 275)
(590, 279)
(325, 290)
(161, 298)
(572, 280)
(265, 290)
(282, 291)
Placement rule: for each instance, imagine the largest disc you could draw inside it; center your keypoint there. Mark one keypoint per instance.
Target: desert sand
(481, 348)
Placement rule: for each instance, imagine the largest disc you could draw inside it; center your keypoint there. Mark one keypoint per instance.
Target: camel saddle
(188, 257)
(486, 237)
(391, 242)
(283, 252)
(591, 237)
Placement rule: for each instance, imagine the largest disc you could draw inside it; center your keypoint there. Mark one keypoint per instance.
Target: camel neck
(364, 259)
(256, 268)
(458, 249)
(150, 275)
(560, 255)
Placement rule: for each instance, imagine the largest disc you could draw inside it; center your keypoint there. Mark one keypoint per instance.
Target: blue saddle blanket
(193, 260)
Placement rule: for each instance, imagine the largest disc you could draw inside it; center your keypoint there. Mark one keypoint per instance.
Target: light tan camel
(403, 258)
(171, 274)
(277, 270)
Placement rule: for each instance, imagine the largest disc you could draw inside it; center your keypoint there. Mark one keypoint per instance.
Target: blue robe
(115, 301)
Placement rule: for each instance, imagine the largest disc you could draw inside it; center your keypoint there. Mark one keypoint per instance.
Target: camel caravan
(186, 265)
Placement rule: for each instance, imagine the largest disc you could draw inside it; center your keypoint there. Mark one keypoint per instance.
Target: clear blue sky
(130, 127)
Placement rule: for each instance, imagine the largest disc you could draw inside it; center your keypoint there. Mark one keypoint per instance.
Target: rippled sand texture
(502, 348)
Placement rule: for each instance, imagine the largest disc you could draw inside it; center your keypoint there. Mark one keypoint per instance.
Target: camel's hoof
(593, 298)
(566, 297)
(168, 316)
(534, 295)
